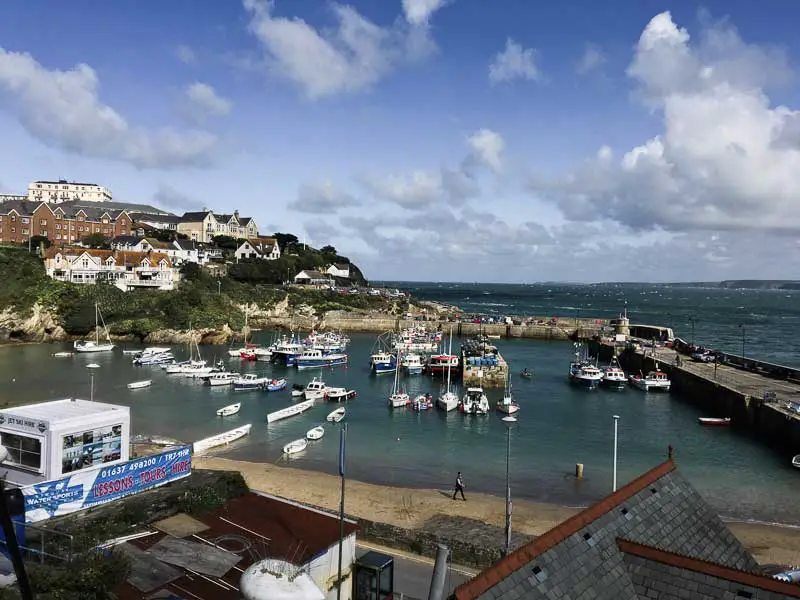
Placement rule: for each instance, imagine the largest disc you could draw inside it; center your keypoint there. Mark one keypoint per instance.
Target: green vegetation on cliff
(201, 300)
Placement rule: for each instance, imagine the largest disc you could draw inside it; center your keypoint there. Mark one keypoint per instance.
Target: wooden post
(579, 471)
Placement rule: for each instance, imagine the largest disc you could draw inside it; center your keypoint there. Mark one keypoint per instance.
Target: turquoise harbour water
(559, 425)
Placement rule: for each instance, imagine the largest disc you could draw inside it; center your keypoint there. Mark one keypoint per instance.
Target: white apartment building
(55, 192)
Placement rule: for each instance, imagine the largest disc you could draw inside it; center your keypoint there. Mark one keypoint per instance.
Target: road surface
(412, 573)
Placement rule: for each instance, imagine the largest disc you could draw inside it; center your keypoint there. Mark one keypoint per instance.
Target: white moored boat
(336, 415)
(135, 385)
(340, 394)
(316, 390)
(475, 402)
(315, 433)
(613, 376)
(221, 439)
(63, 354)
(216, 379)
(229, 410)
(95, 345)
(448, 400)
(507, 405)
(295, 446)
(654, 381)
(290, 411)
(249, 382)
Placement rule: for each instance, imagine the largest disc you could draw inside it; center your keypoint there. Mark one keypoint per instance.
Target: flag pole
(342, 443)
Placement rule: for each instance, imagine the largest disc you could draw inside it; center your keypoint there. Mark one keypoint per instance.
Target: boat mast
(96, 324)
(449, 358)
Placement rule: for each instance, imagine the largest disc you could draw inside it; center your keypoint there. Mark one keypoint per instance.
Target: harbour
(558, 426)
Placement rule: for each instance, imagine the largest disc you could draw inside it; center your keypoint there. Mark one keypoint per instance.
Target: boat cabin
(50, 439)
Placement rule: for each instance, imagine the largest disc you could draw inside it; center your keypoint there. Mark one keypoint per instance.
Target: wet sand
(410, 508)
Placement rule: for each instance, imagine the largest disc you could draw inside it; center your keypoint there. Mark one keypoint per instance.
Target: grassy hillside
(198, 301)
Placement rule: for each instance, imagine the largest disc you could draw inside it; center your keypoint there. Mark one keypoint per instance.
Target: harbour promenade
(752, 400)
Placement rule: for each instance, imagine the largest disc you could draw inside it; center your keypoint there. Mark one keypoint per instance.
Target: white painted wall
(324, 569)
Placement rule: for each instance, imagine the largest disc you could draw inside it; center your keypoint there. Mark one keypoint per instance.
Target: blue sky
(429, 139)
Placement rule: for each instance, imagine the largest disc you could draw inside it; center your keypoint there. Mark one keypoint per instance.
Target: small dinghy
(297, 390)
(92, 366)
(63, 354)
(796, 461)
(316, 433)
(713, 422)
(140, 384)
(526, 374)
(229, 410)
(274, 385)
(336, 415)
(221, 439)
(295, 446)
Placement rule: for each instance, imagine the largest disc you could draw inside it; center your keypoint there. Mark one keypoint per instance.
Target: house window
(13, 230)
(58, 237)
(24, 232)
(85, 263)
(23, 451)
(105, 221)
(80, 218)
(43, 222)
(25, 220)
(58, 225)
(13, 218)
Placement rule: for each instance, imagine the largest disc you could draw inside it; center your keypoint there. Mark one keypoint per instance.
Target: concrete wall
(324, 569)
(717, 399)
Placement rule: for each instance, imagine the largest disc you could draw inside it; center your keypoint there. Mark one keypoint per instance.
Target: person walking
(459, 487)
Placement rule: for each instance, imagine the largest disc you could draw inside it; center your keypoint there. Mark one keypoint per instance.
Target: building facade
(263, 248)
(126, 269)
(55, 192)
(203, 226)
(341, 270)
(60, 223)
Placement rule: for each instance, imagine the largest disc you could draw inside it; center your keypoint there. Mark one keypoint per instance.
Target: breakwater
(752, 401)
(535, 328)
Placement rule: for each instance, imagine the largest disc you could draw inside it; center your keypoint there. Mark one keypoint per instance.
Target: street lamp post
(509, 421)
(91, 385)
(616, 425)
(692, 321)
(743, 333)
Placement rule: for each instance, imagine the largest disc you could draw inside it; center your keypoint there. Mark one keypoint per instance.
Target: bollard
(579, 470)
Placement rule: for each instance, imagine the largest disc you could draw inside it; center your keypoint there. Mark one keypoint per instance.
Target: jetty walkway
(765, 405)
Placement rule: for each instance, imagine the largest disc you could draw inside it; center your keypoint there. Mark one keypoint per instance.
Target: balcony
(147, 282)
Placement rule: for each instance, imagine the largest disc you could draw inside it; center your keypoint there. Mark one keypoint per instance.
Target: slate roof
(660, 575)
(121, 257)
(186, 244)
(155, 218)
(194, 217)
(117, 206)
(582, 556)
(126, 240)
(314, 275)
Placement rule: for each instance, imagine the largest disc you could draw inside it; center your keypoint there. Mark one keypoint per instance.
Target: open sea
(559, 425)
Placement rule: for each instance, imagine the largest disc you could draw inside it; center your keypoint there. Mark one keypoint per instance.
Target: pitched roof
(186, 244)
(121, 257)
(658, 509)
(314, 274)
(131, 240)
(194, 216)
(342, 266)
(650, 569)
(245, 221)
(22, 207)
(154, 217)
(110, 205)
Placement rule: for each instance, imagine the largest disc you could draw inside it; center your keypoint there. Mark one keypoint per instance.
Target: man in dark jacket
(459, 487)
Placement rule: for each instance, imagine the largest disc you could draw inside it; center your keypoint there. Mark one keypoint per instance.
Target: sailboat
(246, 350)
(95, 345)
(398, 399)
(507, 404)
(448, 400)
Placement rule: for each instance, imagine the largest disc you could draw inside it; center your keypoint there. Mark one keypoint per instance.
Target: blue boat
(274, 385)
(314, 358)
(383, 362)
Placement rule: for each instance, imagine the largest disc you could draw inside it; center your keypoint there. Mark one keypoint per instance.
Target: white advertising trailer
(49, 440)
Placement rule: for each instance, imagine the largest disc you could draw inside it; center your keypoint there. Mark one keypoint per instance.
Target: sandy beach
(411, 508)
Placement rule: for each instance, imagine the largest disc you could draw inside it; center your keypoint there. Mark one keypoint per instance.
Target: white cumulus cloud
(487, 146)
(322, 198)
(727, 159)
(63, 109)
(514, 62)
(418, 12)
(202, 101)
(351, 56)
(185, 54)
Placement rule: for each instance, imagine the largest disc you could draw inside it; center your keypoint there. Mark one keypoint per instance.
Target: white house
(313, 278)
(263, 248)
(62, 190)
(339, 270)
(125, 269)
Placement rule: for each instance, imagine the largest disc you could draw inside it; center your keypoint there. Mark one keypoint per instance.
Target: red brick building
(60, 223)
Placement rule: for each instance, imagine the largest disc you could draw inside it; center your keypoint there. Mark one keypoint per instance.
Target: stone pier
(485, 376)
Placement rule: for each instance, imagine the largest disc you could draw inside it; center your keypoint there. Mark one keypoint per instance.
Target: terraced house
(67, 222)
(125, 269)
(204, 225)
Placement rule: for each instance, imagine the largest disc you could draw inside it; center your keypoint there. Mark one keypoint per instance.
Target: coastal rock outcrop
(40, 325)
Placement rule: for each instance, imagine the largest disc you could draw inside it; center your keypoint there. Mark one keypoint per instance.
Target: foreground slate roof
(653, 539)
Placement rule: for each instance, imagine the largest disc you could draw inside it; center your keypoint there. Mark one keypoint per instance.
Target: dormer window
(110, 261)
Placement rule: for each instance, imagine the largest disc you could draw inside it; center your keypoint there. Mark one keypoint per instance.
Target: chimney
(236, 214)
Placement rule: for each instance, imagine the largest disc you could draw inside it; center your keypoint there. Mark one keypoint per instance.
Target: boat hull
(290, 411)
(341, 397)
(137, 385)
(711, 422)
(317, 363)
(380, 368)
(585, 382)
(275, 386)
(614, 384)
